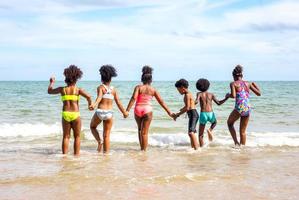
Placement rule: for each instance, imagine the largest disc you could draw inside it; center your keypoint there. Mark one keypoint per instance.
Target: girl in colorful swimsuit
(70, 96)
(104, 102)
(240, 92)
(143, 95)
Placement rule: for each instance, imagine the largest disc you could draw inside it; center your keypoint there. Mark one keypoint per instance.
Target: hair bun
(147, 70)
(238, 71)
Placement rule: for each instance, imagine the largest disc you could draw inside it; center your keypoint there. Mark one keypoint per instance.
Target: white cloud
(162, 32)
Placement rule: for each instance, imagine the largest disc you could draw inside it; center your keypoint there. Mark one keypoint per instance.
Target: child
(240, 91)
(182, 86)
(143, 95)
(70, 111)
(206, 113)
(104, 102)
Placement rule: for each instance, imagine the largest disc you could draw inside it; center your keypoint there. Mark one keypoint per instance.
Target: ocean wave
(20, 131)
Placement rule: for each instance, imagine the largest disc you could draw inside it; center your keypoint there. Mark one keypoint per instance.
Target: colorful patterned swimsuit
(242, 99)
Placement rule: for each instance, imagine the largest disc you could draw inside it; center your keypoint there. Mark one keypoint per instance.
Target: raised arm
(86, 96)
(133, 99)
(52, 90)
(221, 101)
(119, 105)
(161, 102)
(255, 89)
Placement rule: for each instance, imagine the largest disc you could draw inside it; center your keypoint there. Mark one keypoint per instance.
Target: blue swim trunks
(207, 117)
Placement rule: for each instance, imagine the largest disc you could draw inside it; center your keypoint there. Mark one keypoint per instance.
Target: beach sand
(160, 173)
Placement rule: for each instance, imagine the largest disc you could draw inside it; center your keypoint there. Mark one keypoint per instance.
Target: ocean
(32, 166)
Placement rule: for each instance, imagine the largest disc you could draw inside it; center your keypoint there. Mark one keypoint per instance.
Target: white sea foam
(129, 135)
(27, 129)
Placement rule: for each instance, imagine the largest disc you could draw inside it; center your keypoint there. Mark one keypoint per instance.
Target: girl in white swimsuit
(104, 104)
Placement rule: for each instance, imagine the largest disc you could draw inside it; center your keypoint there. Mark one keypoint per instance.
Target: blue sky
(178, 38)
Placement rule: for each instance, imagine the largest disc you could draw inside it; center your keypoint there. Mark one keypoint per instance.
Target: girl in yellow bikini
(70, 96)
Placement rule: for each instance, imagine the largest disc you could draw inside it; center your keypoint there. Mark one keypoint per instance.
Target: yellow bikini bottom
(70, 116)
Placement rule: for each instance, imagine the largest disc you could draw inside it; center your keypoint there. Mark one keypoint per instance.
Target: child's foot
(210, 135)
(100, 147)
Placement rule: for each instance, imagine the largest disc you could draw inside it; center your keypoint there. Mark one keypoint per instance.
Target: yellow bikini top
(70, 97)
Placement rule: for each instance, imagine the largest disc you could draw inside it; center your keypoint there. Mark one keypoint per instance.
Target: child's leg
(233, 117)
(95, 121)
(139, 122)
(146, 122)
(243, 125)
(193, 140)
(106, 134)
(66, 128)
(210, 131)
(76, 126)
(200, 134)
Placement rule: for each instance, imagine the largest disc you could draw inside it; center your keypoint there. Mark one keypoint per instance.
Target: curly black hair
(147, 76)
(182, 83)
(107, 72)
(238, 71)
(202, 84)
(72, 74)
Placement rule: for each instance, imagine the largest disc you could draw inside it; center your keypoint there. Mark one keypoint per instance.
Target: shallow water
(32, 167)
(160, 173)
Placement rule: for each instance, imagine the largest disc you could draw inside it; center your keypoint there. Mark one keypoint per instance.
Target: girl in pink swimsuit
(143, 95)
(240, 92)
(143, 105)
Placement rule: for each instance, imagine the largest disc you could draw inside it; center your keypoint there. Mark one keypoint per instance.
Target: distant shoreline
(139, 81)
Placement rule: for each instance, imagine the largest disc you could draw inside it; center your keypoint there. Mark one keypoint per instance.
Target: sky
(178, 38)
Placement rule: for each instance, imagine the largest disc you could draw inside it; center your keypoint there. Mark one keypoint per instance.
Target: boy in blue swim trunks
(206, 113)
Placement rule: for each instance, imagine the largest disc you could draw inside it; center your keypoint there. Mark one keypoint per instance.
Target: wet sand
(160, 173)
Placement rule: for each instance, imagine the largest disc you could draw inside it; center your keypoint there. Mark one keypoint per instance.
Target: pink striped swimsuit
(143, 105)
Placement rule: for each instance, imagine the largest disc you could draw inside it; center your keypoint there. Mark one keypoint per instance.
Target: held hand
(126, 114)
(174, 116)
(52, 80)
(91, 107)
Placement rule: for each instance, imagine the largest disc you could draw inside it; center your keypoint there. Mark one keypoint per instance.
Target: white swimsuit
(106, 114)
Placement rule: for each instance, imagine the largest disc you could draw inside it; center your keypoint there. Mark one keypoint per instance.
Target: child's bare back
(206, 100)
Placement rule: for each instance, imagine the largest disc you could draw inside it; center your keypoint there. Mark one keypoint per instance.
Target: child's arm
(87, 97)
(184, 109)
(133, 99)
(162, 104)
(232, 90)
(50, 87)
(255, 89)
(99, 97)
(221, 101)
(197, 98)
(119, 105)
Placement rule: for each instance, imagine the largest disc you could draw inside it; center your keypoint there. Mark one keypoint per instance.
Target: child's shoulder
(101, 87)
(189, 94)
(210, 93)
